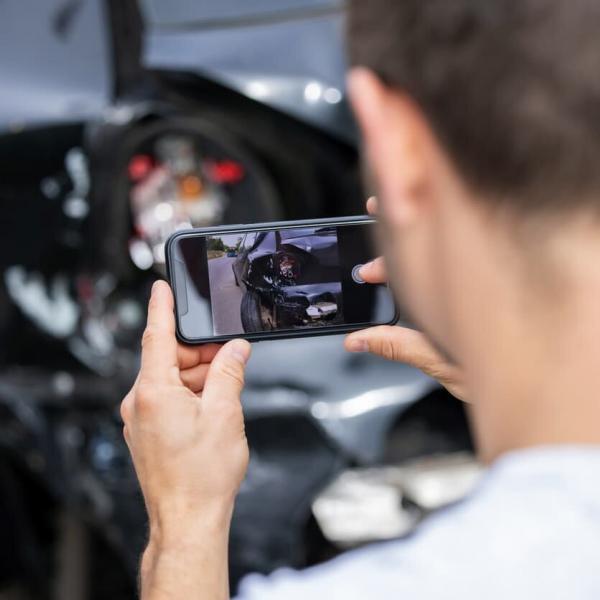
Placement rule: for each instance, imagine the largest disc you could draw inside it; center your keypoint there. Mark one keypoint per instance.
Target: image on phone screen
(298, 270)
(280, 279)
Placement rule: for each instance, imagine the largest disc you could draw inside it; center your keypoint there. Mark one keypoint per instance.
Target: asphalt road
(226, 297)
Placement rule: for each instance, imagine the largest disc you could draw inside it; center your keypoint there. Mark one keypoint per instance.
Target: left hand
(184, 425)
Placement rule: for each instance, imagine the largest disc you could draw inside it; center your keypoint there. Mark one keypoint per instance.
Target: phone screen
(293, 279)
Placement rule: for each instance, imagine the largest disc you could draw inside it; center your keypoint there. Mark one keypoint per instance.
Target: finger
(374, 271)
(195, 377)
(397, 343)
(372, 206)
(225, 377)
(190, 356)
(159, 345)
(413, 348)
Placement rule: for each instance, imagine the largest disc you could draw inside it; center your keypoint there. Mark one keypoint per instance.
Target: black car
(291, 279)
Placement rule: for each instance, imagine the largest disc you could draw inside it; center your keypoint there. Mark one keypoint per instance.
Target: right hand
(185, 428)
(403, 344)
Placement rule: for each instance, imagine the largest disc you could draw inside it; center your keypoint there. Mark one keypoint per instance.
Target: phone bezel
(271, 335)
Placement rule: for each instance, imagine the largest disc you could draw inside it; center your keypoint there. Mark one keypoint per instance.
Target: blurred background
(122, 121)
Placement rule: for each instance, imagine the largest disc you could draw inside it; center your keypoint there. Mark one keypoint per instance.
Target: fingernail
(358, 345)
(155, 286)
(365, 269)
(240, 350)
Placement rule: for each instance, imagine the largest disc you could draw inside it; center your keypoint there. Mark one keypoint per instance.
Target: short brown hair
(511, 87)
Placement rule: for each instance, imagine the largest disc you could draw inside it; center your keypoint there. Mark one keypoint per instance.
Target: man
(481, 121)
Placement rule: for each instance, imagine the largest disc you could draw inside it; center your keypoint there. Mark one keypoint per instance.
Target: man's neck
(540, 382)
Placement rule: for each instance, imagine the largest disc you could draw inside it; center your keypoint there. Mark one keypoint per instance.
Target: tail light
(139, 167)
(225, 171)
(289, 267)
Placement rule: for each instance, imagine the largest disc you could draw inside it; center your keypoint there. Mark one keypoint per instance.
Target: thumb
(396, 343)
(225, 377)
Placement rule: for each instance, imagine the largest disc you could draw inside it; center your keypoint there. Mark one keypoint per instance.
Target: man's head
(481, 121)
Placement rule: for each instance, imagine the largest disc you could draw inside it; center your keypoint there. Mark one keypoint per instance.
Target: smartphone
(275, 280)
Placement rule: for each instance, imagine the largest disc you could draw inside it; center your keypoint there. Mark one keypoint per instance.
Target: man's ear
(392, 130)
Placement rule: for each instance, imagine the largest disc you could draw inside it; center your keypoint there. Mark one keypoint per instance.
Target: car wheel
(255, 315)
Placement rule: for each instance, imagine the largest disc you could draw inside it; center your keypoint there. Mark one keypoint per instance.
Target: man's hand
(401, 343)
(185, 431)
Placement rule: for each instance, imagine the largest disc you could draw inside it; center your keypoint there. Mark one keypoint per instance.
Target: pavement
(225, 297)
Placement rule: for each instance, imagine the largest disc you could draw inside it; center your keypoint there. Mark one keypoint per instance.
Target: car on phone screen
(291, 279)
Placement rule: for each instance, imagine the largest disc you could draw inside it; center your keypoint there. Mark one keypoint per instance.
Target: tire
(252, 313)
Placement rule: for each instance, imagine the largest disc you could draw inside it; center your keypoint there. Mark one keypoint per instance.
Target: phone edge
(258, 337)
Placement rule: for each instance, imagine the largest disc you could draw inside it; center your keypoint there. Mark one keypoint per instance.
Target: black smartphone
(275, 280)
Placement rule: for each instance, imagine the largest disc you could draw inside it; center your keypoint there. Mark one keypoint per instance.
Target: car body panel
(204, 12)
(295, 301)
(323, 248)
(73, 81)
(292, 60)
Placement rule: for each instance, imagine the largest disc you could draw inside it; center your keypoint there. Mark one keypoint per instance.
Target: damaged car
(291, 279)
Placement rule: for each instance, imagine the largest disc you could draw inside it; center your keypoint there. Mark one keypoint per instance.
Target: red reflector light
(225, 171)
(139, 166)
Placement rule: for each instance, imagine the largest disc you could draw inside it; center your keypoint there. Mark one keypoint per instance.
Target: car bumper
(310, 304)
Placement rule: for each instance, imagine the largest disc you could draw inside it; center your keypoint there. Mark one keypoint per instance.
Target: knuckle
(442, 372)
(385, 344)
(389, 348)
(149, 336)
(125, 409)
(146, 397)
(433, 367)
(152, 303)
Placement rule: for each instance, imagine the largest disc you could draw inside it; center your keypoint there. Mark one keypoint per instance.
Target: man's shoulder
(527, 498)
(520, 506)
(531, 529)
